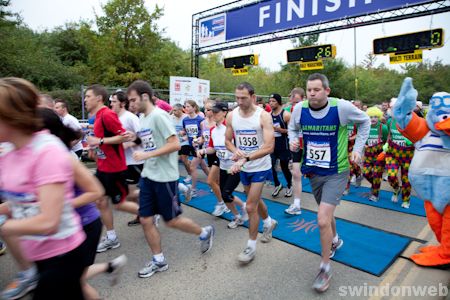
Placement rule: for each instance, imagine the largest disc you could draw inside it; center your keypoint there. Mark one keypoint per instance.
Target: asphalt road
(279, 271)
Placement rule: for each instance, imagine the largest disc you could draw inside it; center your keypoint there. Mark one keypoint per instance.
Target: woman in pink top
(36, 183)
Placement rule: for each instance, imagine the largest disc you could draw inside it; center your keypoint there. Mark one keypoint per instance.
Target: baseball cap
(220, 106)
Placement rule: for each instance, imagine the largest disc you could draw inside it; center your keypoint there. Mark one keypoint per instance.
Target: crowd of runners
(54, 208)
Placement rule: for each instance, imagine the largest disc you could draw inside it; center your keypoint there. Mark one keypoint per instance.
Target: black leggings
(284, 164)
(228, 183)
(59, 276)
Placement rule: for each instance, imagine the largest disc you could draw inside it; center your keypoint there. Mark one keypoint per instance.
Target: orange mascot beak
(443, 126)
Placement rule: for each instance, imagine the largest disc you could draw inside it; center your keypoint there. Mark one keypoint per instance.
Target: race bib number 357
(318, 154)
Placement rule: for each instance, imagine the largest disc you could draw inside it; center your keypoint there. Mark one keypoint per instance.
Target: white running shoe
(247, 255)
(405, 204)
(267, 232)
(373, 198)
(293, 210)
(235, 223)
(394, 197)
(219, 209)
(152, 267)
(288, 192)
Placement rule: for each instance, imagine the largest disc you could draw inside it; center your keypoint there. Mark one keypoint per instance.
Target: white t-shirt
(130, 122)
(72, 122)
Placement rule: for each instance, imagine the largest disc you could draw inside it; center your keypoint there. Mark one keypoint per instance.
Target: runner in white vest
(252, 129)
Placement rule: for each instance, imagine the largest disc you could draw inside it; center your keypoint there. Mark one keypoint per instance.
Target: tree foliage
(124, 43)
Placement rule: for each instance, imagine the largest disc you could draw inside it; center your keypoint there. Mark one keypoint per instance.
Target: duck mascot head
(429, 172)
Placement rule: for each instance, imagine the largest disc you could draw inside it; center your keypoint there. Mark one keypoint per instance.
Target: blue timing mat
(366, 249)
(361, 195)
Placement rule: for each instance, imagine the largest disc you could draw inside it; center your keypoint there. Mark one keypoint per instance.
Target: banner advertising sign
(271, 16)
(188, 88)
(212, 30)
(311, 65)
(239, 72)
(405, 58)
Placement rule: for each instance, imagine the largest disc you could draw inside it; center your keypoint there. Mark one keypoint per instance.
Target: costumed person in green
(372, 167)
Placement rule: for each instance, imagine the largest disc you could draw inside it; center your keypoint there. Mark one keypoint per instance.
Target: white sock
(244, 208)
(183, 188)
(326, 267)
(336, 238)
(251, 244)
(267, 221)
(238, 216)
(204, 233)
(158, 257)
(297, 202)
(221, 203)
(111, 234)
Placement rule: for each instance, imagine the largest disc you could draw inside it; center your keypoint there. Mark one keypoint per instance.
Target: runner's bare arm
(172, 145)
(88, 183)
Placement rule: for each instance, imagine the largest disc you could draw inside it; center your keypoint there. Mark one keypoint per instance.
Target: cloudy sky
(47, 14)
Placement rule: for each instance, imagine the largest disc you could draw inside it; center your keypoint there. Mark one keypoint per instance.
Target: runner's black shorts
(297, 156)
(134, 173)
(213, 160)
(115, 185)
(187, 150)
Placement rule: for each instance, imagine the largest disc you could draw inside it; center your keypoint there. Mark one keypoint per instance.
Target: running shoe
(277, 190)
(244, 214)
(107, 244)
(188, 193)
(346, 192)
(156, 220)
(193, 193)
(288, 192)
(335, 247)
(20, 286)
(373, 198)
(322, 281)
(293, 210)
(219, 209)
(207, 242)
(235, 223)
(405, 204)
(394, 197)
(152, 267)
(267, 231)
(247, 255)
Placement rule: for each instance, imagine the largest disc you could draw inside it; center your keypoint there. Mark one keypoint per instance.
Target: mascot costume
(429, 172)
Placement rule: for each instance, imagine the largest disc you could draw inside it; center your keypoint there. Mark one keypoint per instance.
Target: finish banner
(271, 16)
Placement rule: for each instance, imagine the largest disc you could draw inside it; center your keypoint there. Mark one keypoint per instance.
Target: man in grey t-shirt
(159, 178)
